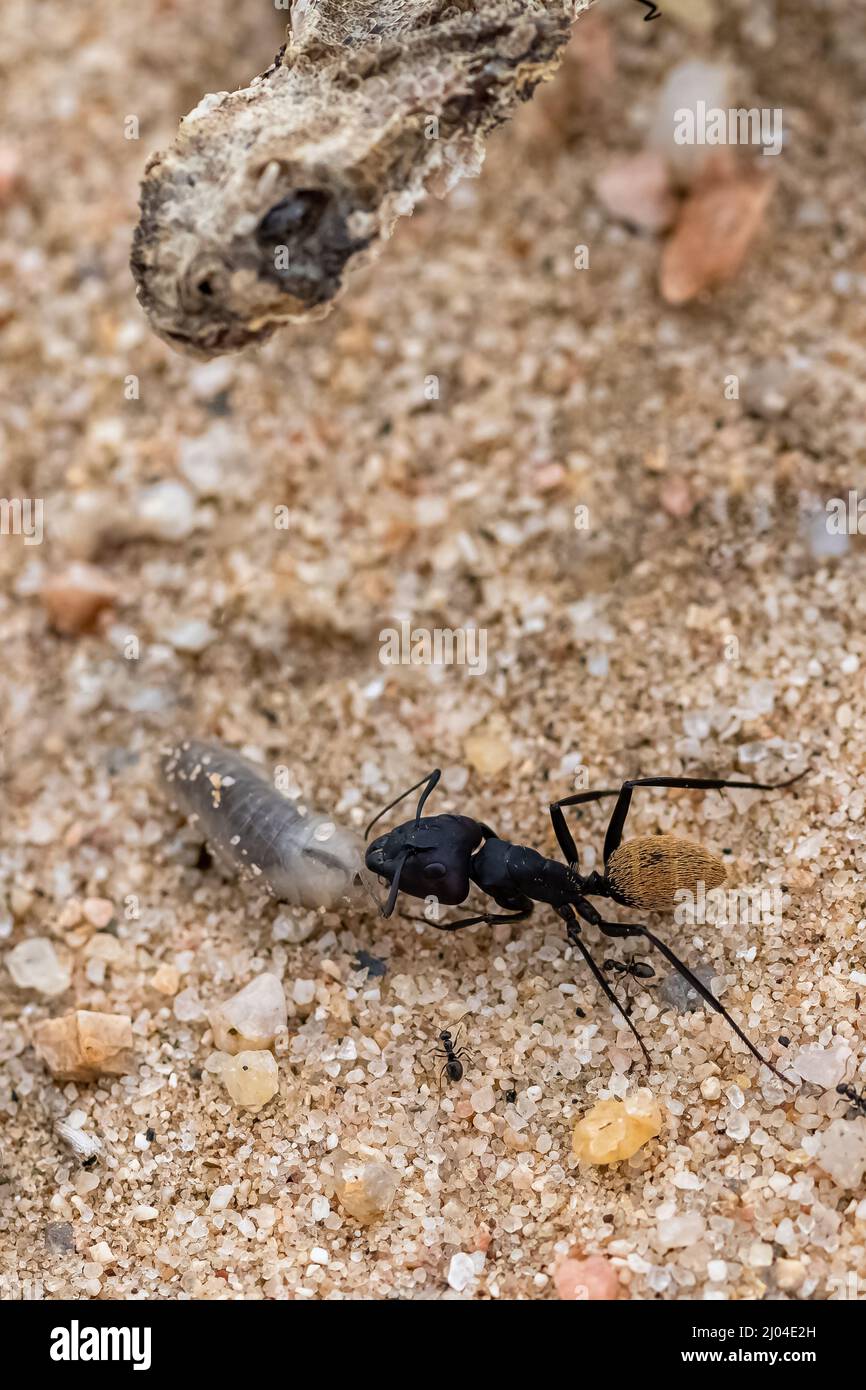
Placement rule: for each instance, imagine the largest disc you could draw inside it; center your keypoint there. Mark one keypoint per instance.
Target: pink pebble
(637, 190)
(591, 1280)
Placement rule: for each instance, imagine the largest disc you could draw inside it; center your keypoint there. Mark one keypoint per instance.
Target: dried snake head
(252, 218)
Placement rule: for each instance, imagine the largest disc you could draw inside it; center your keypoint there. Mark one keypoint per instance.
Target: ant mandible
(440, 856)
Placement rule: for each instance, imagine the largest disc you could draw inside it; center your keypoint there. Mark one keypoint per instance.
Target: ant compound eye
(435, 870)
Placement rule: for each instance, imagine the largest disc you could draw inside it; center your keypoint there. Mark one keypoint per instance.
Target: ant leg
(428, 782)
(489, 918)
(564, 836)
(632, 929)
(616, 825)
(572, 927)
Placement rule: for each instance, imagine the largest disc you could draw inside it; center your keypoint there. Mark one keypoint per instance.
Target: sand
(702, 621)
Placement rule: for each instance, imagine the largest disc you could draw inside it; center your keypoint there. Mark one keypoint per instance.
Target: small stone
(825, 1066)
(717, 1270)
(252, 1018)
(166, 980)
(488, 753)
(70, 915)
(842, 1152)
(737, 1125)
(144, 1213)
(365, 1190)
(638, 191)
(34, 964)
(209, 379)
(677, 498)
(99, 912)
(304, 992)
(165, 511)
(760, 1255)
(83, 1045)
(192, 636)
(188, 1007)
(75, 597)
(686, 85)
(461, 1272)
(676, 1232)
(251, 1079)
(697, 15)
(711, 1088)
(483, 1100)
(295, 929)
(593, 1280)
(220, 1197)
(766, 390)
(676, 991)
(614, 1130)
(712, 237)
(59, 1237)
(209, 458)
(789, 1275)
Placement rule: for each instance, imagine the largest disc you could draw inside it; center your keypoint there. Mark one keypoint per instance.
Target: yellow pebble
(615, 1129)
(488, 751)
(251, 1079)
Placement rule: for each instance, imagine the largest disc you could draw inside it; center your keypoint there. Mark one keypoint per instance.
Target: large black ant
(856, 1100)
(440, 856)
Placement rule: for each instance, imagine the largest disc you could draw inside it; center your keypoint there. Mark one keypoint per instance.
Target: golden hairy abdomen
(649, 870)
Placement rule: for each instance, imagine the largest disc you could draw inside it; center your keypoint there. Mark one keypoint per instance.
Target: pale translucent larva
(301, 857)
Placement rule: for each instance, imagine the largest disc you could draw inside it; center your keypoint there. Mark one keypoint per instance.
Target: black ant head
(431, 856)
(444, 1036)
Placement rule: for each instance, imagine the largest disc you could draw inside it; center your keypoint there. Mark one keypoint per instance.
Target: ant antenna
(431, 779)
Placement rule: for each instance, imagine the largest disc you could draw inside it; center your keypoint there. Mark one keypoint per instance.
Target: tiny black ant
(638, 969)
(453, 1067)
(634, 969)
(511, 1097)
(441, 856)
(856, 1099)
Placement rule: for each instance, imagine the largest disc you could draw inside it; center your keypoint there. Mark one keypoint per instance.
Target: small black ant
(633, 969)
(453, 1067)
(856, 1099)
(638, 969)
(442, 856)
